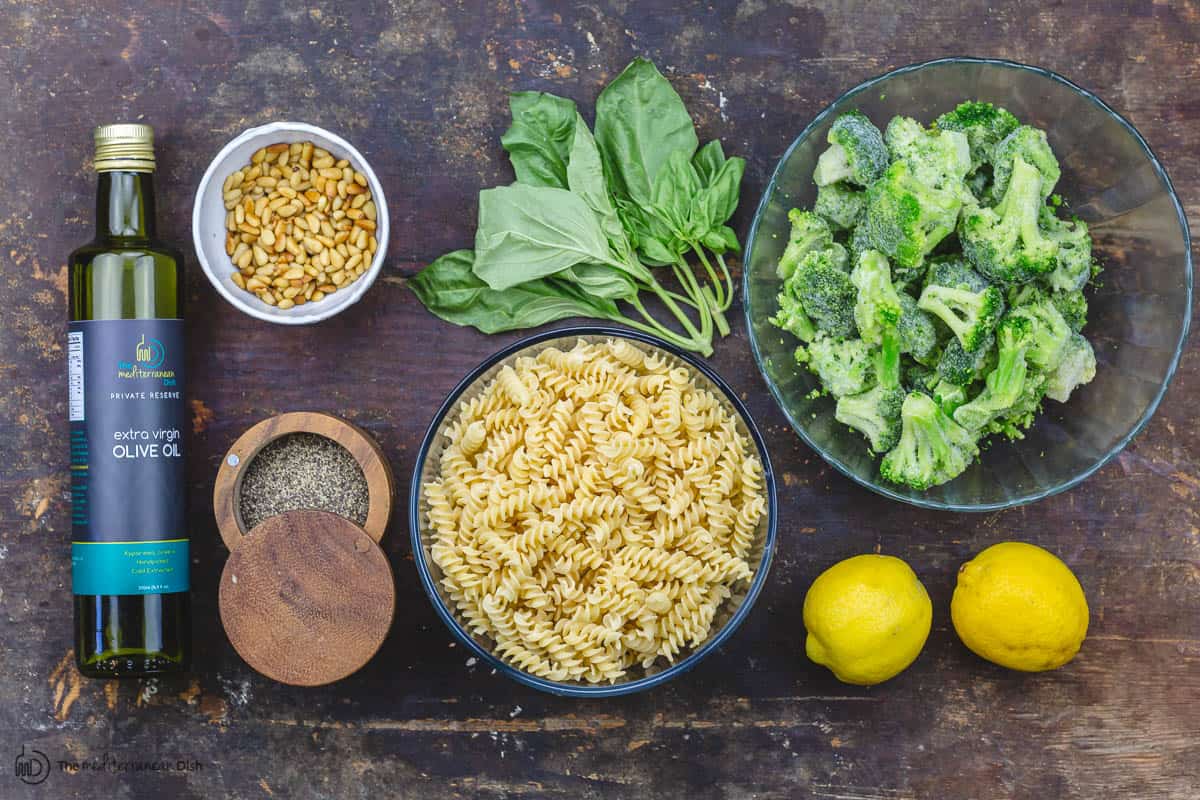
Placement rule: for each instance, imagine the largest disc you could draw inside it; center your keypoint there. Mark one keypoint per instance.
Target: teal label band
(129, 567)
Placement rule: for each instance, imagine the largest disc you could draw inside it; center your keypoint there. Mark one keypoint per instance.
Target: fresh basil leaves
(575, 233)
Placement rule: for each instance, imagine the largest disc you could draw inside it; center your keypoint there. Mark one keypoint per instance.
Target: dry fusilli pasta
(592, 510)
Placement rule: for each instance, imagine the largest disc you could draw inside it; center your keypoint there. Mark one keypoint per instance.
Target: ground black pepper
(303, 471)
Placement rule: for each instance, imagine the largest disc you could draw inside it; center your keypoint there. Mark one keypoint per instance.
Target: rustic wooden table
(420, 87)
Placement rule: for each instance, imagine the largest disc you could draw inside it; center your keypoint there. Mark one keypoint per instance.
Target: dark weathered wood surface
(419, 86)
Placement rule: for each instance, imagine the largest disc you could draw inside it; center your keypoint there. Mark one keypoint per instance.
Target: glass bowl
(1138, 315)
(733, 611)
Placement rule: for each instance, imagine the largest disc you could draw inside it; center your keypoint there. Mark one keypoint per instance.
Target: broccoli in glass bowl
(920, 284)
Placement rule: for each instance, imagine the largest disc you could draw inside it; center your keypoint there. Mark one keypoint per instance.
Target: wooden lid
(227, 490)
(307, 598)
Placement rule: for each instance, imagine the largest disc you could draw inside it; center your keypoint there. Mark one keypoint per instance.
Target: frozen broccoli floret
(1013, 423)
(877, 304)
(1077, 367)
(905, 218)
(1073, 262)
(840, 205)
(825, 292)
(956, 365)
(918, 334)
(1026, 294)
(955, 272)
(940, 159)
(948, 396)
(1029, 145)
(875, 413)
(1004, 384)
(1005, 243)
(1073, 307)
(1049, 333)
(809, 232)
(844, 366)
(933, 448)
(791, 318)
(970, 315)
(984, 124)
(856, 152)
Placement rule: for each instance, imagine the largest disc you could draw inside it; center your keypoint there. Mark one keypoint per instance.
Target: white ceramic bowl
(208, 222)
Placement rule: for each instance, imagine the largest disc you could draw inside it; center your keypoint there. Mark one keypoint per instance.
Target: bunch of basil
(590, 217)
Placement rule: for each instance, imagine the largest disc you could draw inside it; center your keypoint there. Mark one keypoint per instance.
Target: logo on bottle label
(149, 354)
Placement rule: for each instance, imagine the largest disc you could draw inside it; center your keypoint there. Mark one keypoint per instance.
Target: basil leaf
(539, 140)
(599, 280)
(448, 282)
(450, 289)
(676, 189)
(661, 252)
(655, 243)
(722, 192)
(585, 177)
(721, 240)
(602, 308)
(529, 232)
(640, 121)
(708, 160)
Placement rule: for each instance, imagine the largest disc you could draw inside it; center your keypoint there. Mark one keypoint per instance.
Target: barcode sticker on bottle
(75, 375)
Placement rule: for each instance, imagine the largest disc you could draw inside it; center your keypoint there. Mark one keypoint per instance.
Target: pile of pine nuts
(300, 224)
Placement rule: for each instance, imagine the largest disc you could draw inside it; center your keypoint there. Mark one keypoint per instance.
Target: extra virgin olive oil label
(127, 413)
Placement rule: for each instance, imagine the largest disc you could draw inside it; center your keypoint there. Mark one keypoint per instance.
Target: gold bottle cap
(125, 146)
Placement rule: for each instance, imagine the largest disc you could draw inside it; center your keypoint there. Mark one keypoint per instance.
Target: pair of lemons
(1015, 604)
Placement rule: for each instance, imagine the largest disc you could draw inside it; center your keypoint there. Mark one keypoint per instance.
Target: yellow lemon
(1020, 607)
(867, 618)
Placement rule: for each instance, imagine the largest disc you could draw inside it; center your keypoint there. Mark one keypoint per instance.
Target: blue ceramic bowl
(736, 608)
(1138, 315)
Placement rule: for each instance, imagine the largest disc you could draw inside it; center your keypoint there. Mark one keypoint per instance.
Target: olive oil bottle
(125, 355)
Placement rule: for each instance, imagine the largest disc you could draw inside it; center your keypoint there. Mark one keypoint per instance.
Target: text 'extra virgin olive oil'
(125, 355)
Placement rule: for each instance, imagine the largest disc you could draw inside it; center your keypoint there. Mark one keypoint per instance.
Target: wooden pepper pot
(227, 492)
(307, 596)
